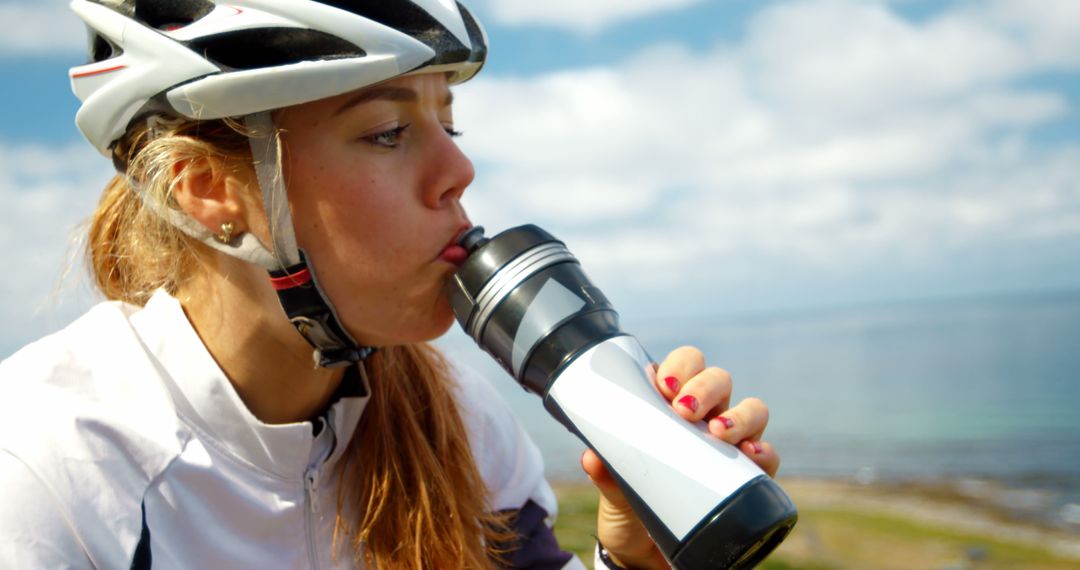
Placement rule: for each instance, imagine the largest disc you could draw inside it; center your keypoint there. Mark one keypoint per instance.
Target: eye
(386, 139)
(453, 134)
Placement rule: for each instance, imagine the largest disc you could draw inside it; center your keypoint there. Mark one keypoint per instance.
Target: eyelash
(389, 138)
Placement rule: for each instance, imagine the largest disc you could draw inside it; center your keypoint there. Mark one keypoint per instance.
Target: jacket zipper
(311, 492)
(311, 486)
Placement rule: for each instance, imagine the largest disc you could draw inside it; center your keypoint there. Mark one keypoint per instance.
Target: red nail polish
(672, 383)
(756, 446)
(689, 402)
(726, 421)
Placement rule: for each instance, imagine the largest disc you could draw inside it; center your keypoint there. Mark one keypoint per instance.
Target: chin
(428, 329)
(442, 323)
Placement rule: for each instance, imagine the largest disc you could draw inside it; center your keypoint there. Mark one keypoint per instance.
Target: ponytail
(131, 251)
(409, 473)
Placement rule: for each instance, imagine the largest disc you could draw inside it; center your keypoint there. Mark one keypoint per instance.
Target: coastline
(959, 525)
(882, 525)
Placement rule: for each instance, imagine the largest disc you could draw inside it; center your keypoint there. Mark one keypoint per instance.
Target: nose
(450, 173)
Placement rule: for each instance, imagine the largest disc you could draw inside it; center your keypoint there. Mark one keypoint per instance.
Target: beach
(905, 526)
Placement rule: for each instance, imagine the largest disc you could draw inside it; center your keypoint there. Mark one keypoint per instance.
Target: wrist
(604, 559)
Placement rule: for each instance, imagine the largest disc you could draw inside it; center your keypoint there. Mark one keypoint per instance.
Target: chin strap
(313, 316)
(298, 290)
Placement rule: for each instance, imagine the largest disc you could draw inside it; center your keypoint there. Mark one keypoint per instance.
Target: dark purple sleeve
(535, 547)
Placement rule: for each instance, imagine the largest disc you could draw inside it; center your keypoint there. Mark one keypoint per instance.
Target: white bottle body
(608, 393)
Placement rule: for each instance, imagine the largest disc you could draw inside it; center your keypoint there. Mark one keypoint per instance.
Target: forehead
(429, 89)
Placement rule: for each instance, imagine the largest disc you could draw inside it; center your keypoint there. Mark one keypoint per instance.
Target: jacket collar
(206, 400)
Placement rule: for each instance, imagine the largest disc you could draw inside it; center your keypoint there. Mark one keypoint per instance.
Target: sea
(981, 394)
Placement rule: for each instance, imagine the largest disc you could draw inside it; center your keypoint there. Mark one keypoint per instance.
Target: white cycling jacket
(123, 445)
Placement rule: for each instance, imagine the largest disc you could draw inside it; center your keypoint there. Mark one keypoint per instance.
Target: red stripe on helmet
(96, 71)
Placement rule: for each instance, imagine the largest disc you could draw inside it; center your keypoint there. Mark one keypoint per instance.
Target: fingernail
(689, 402)
(756, 446)
(672, 383)
(726, 421)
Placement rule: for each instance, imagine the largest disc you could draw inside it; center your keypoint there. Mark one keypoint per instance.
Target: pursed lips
(454, 253)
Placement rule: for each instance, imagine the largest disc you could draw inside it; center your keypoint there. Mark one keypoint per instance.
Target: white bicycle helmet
(205, 59)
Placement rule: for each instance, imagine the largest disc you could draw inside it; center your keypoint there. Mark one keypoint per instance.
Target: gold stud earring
(226, 233)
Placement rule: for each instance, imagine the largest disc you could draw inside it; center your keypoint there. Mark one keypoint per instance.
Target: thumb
(596, 470)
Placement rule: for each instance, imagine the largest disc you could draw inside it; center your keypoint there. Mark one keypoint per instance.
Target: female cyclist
(257, 391)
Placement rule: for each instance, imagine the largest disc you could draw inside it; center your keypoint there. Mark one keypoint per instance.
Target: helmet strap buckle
(314, 317)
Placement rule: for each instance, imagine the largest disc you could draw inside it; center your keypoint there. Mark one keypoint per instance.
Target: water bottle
(523, 297)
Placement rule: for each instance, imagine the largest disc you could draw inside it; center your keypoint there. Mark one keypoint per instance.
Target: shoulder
(508, 459)
(84, 417)
(36, 534)
(61, 360)
(92, 382)
(66, 373)
(493, 429)
(513, 469)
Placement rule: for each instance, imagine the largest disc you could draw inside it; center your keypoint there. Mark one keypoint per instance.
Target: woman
(183, 424)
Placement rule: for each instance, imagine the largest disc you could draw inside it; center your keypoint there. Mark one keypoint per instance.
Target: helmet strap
(294, 279)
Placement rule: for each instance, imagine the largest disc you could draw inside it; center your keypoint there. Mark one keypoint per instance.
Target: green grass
(838, 538)
(852, 539)
(576, 526)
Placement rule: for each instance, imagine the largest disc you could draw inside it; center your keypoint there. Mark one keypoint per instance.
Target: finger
(601, 477)
(680, 365)
(707, 392)
(762, 453)
(747, 420)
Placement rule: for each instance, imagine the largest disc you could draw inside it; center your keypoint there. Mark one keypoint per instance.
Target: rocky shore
(847, 524)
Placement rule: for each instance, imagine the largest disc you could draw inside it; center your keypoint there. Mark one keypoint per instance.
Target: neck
(236, 314)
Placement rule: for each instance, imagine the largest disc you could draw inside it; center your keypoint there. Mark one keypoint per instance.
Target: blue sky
(699, 156)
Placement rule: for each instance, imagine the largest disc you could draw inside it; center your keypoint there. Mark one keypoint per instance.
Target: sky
(698, 156)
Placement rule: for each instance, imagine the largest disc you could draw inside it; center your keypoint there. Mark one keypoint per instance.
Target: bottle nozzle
(473, 239)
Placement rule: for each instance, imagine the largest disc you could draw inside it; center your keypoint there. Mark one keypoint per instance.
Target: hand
(696, 393)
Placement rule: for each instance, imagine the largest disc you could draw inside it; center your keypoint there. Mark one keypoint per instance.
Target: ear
(212, 194)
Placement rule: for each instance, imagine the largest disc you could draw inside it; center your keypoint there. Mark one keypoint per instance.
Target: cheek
(372, 251)
(333, 205)
(366, 253)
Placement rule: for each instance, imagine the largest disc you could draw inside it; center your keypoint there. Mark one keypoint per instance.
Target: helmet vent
(171, 14)
(475, 35)
(125, 7)
(101, 48)
(412, 20)
(269, 47)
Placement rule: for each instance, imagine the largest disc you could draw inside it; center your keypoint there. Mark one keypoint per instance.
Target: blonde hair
(409, 494)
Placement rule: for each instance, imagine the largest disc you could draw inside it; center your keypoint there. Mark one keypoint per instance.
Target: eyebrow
(388, 93)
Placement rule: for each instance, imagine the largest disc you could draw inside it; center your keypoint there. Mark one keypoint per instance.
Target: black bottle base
(741, 532)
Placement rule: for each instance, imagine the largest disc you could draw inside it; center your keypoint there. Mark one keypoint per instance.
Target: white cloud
(1048, 28)
(836, 136)
(40, 27)
(812, 153)
(582, 16)
(850, 59)
(46, 192)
